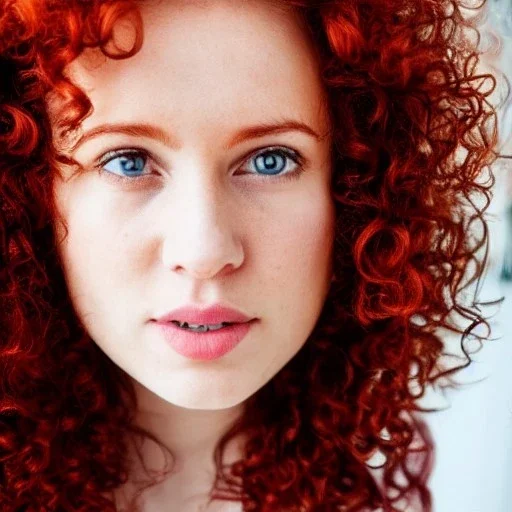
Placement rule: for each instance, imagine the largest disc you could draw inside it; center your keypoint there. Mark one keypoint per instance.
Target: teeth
(197, 326)
(201, 328)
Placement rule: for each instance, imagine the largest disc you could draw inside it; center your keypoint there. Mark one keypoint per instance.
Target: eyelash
(287, 153)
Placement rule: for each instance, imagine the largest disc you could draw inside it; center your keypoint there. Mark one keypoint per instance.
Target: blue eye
(129, 165)
(126, 164)
(273, 161)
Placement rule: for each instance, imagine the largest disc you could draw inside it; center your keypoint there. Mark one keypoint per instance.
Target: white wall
(473, 469)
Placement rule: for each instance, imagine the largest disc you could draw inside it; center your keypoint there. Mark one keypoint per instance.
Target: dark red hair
(413, 134)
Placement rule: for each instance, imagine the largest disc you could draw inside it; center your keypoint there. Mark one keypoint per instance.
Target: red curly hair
(413, 132)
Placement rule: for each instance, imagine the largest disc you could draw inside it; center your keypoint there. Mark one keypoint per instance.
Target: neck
(191, 435)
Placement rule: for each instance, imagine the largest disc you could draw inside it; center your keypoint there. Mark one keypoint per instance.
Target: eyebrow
(154, 132)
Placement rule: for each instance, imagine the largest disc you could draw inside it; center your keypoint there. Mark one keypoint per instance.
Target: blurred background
(473, 432)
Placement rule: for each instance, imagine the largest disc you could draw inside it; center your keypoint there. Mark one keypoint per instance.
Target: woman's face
(199, 217)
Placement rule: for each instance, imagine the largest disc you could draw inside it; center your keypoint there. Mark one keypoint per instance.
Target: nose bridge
(204, 204)
(201, 241)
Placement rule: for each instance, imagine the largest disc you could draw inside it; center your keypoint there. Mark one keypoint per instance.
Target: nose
(201, 241)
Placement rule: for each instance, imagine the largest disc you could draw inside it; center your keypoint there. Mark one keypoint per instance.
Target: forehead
(219, 60)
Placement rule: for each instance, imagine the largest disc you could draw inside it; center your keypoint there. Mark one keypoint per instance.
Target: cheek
(96, 227)
(87, 253)
(299, 280)
(297, 276)
(306, 239)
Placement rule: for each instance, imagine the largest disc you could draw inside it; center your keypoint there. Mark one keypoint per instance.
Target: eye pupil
(270, 160)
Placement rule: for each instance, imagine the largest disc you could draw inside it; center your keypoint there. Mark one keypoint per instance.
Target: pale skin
(204, 225)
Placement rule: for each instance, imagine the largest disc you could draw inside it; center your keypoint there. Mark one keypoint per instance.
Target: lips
(205, 346)
(211, 315)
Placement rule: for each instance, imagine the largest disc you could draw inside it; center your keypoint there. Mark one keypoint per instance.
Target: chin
(206, 402)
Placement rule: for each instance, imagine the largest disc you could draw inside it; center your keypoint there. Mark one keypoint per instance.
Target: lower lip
(204, 346)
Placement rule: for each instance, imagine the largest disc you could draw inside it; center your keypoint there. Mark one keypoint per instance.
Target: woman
(295, 161)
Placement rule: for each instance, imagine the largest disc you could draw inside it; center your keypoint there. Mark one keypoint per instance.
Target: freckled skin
(200, 229)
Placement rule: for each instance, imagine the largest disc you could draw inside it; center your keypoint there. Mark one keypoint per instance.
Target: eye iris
(270, 160)
(132, 164)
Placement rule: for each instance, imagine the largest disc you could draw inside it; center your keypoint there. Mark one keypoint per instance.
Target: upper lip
(214, 314)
